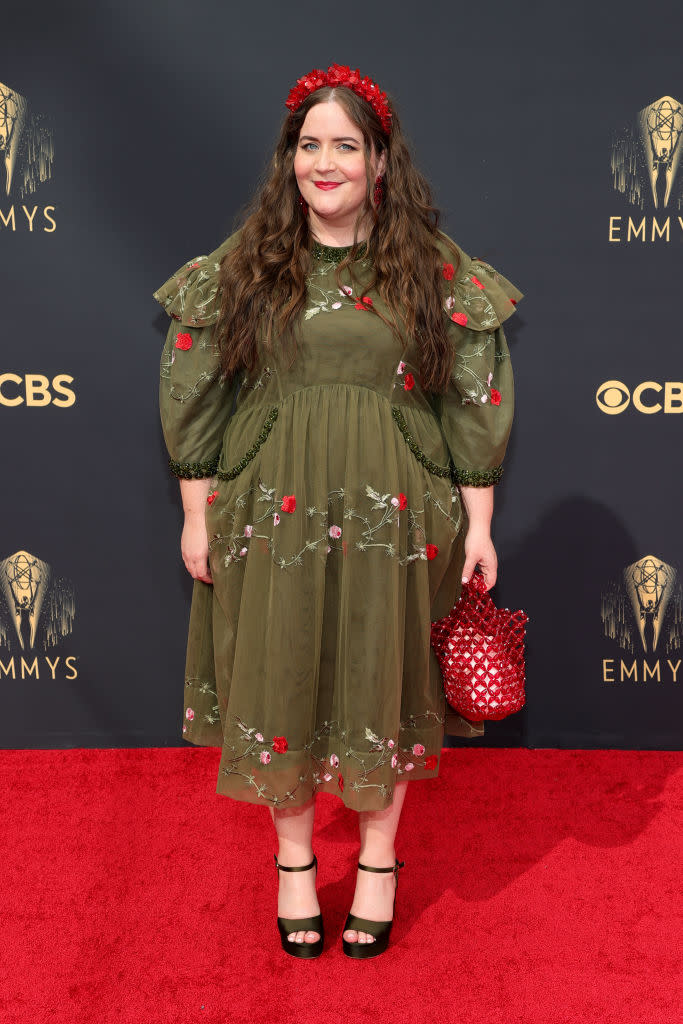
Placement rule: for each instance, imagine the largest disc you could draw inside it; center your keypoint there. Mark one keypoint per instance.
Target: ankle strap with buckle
(397, 865)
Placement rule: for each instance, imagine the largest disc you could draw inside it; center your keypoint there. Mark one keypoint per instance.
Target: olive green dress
(336, 528)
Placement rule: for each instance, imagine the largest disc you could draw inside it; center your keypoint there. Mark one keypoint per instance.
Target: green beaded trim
(231, 474)
(478, 477)
(335, 254)
(430, 466)
(194, 470)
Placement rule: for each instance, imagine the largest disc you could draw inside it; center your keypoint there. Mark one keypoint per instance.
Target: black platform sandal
(287, 925)
(380, 929)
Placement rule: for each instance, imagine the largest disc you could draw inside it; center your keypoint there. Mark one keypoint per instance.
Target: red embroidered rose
(183, 341)
(475, 280)
(513, 301)
(431, 550)
(448, 271)
(459, 318)
(212, 497)
(408, 382)
(431, 762)
(402, 501)
(288, 503)
(279, 744)
(340, 780)
(495, 396)
(359, 305)
(367, 300)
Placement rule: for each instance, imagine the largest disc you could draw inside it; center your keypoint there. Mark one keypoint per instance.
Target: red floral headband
(338, 75)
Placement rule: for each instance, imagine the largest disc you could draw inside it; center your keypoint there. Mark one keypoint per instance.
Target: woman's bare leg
(296, 892)
(374, 895)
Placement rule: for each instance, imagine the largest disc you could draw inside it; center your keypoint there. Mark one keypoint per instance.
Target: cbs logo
(35, 389)
(613, 397)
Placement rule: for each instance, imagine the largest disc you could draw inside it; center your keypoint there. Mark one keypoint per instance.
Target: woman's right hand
(194, 547)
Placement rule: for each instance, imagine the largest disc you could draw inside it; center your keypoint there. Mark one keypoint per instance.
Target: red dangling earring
(303, 204)
(379, 190)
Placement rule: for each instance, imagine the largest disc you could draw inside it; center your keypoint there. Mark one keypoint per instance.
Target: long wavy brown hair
(263, 276)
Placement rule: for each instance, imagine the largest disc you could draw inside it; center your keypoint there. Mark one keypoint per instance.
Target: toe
(312, 936)
(351, 935)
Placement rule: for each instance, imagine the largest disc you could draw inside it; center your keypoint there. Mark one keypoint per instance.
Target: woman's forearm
(478, 503)
(194, 494)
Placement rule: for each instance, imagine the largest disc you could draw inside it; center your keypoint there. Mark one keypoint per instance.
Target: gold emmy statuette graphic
(26, 146)
(646, 156)
(649, 584)
(38, 607)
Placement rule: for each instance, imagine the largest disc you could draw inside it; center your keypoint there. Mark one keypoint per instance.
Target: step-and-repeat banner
(131, 137)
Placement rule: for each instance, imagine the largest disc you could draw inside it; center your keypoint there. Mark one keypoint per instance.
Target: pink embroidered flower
(276, 519)
(243, 551)
(394, 760)
(340, 780)
(184, 728)
(484, 399)
(408, 382)
(212, 497)
(336, 305)
(431, 551)
(335, 531)
(475, 280)
(259, 737)
(195, 264)
(495, 396)
(408, 767)
(328, 549)
(288, 503)
(345, 290)
(183, 341)
(327, 776)
(448, 271)
(391, 744)
(431, 762)
(394, 502)
(401, 367)
(334, 760)
(418, 749)
(489, 379)
(189, 714)
(280, 744)
(248, 530)
(459, 318)
(450, 302)
(264, 757)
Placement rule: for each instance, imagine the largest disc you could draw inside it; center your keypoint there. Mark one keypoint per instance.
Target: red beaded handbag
(481, 653)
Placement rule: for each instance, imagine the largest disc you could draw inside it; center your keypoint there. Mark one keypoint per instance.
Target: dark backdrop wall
(131, 136)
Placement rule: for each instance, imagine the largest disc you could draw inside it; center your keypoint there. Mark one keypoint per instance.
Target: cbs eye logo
(614, 397)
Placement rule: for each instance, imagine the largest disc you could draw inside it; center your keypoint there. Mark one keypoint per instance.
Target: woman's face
(330, 153)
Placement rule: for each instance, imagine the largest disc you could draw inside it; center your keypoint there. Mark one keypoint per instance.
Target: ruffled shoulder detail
(191, 294)
(476, 295)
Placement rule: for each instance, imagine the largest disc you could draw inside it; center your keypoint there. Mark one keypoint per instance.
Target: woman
(331, 516)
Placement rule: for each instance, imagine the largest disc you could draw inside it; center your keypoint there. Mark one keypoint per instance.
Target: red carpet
(540, 886)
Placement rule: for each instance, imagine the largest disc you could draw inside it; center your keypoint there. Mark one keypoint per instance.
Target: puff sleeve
(476, 411)
(194, 402)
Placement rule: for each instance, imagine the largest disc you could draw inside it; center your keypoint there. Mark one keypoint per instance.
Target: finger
(468, 569)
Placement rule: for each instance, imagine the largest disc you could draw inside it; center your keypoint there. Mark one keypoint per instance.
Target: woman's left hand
(479, 549)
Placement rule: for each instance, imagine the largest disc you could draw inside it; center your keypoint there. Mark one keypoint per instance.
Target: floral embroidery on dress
(473, 386)
(258, 755)
(373, 534)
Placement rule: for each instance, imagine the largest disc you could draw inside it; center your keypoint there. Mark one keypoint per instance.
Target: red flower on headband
(341, 75)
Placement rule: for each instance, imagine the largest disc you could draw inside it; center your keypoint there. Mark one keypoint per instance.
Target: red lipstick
(327, 184)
